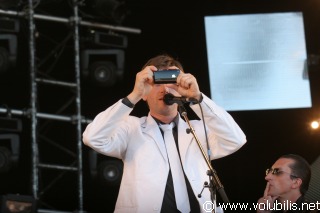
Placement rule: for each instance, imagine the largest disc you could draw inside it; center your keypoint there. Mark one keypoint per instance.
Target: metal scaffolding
(77, 119)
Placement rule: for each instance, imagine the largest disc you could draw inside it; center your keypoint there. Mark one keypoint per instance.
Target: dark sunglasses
(277, 172)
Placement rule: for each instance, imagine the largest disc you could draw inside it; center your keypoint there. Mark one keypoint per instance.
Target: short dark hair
(163, 61)
(301, 169)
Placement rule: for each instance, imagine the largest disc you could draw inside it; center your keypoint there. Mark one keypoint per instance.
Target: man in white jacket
(147, 184)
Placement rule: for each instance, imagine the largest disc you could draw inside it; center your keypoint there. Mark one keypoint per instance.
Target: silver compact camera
(166, 76)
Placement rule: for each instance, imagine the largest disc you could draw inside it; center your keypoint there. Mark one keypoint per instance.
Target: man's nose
(165, 88)
(268, 177)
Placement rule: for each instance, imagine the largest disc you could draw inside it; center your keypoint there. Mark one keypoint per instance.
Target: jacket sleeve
(224, 134)
(107, 133)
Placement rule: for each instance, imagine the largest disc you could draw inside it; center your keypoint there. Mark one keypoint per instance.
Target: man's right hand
(266, 202)
(143, 84)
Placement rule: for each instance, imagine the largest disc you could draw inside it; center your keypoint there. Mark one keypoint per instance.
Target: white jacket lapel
(152, 129)
(184, 139)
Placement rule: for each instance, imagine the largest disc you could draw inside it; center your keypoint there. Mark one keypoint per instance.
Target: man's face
(156, 104)
(155, 101)
(281, 184)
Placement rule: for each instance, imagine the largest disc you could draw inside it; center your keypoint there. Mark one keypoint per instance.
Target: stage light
(18, 204)
(8, 43)
(103, 73)
(9, 151)
(9, 143)
(109, 39)
(315, 124)
(107, 170)
(8, 52)
(8, 124)
(110, 172)
(103, 67)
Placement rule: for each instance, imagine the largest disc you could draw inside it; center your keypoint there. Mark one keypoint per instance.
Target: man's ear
(297, 183)
(144, 98)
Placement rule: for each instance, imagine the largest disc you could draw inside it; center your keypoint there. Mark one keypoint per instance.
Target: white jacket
(139, 143)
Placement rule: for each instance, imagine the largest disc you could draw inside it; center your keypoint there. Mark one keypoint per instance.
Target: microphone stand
(215, 183)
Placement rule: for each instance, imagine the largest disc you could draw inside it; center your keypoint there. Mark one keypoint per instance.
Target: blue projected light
(258, 61)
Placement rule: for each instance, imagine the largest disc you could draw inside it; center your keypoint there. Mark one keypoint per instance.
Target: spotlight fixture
(107, 39)
(8, 124)
(104, 67)
(315, 125)
(108, 171)
(8, 43)
(8, 51)
(9, 143)
(9, 151)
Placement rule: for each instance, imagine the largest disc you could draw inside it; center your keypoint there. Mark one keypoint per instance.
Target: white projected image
(258, 61)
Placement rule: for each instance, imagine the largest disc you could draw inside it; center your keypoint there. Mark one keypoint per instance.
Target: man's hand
(266, 202)
(143, 84)
(187, 86)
